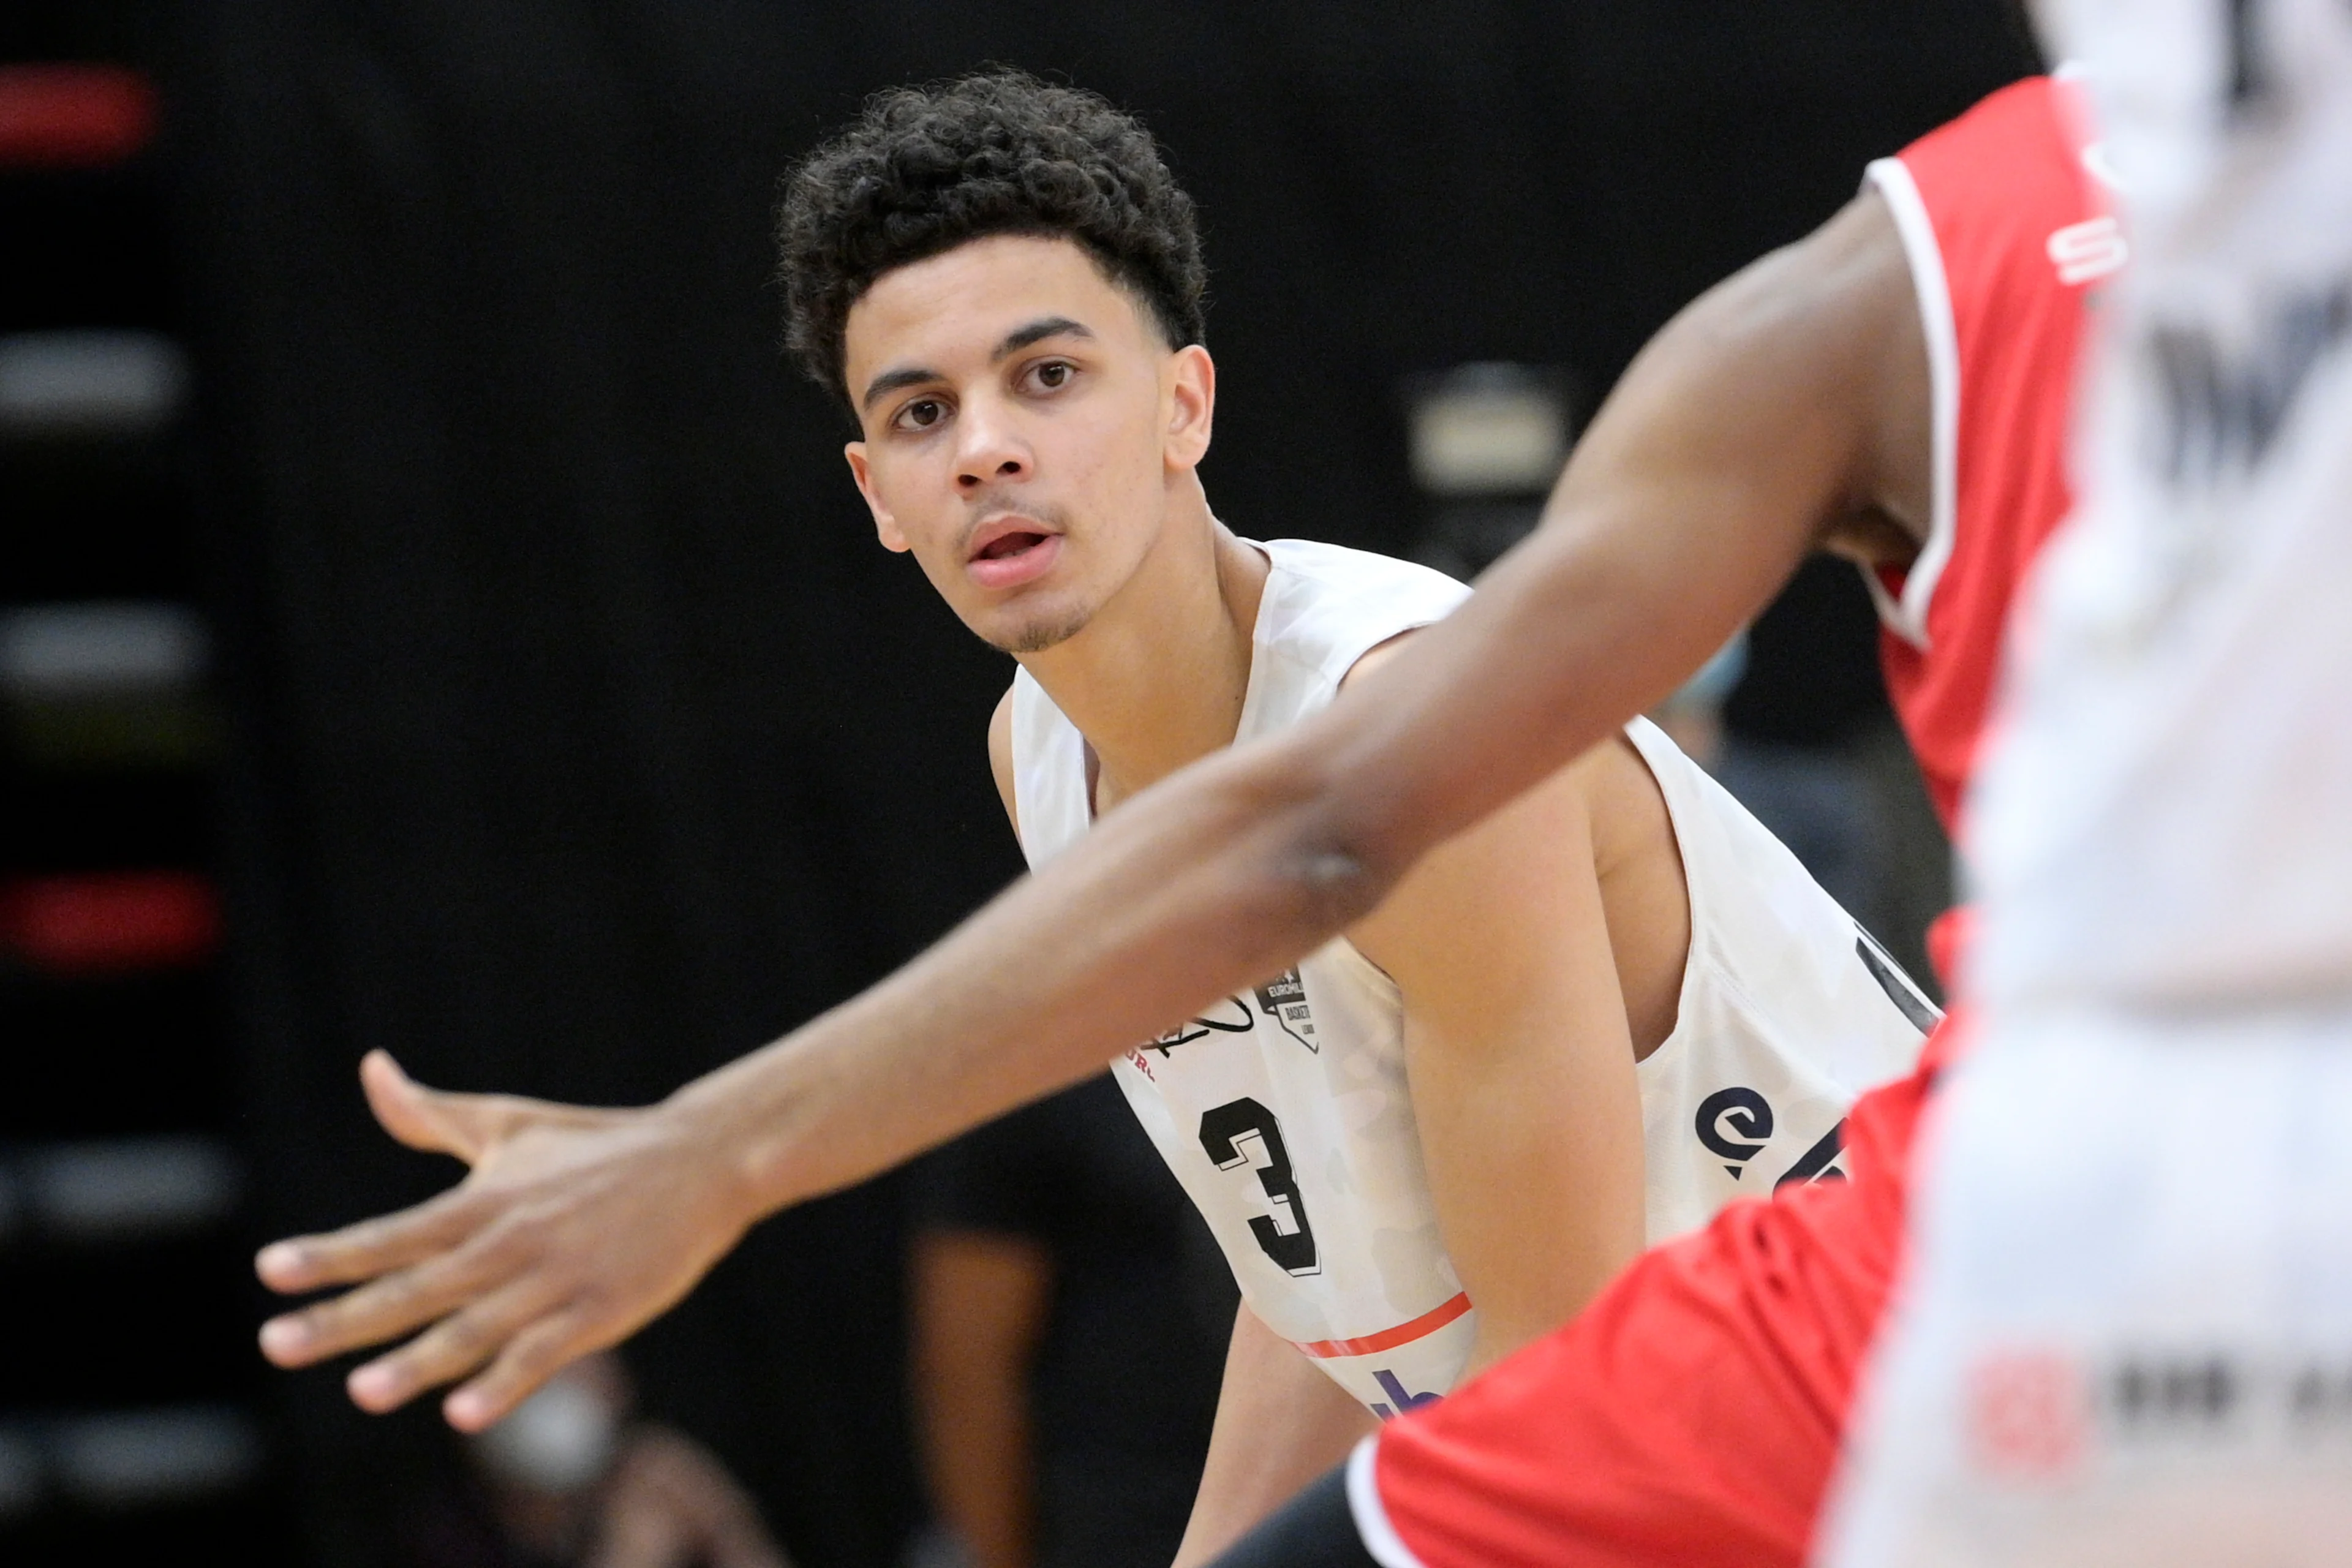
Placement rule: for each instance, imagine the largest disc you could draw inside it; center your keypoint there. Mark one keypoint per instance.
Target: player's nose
(989, 450)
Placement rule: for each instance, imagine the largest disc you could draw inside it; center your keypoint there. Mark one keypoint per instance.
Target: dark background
(579, 735)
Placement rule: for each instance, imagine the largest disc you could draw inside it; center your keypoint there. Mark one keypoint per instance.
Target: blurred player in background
(1044, 1244)
(574, 1479)
(1814, 399)
(2129, 1337)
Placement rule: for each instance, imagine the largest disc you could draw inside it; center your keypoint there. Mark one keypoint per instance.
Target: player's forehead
(952, 312)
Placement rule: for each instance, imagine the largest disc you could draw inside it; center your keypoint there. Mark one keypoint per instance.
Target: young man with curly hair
(1893, 387)
(1591, 1021)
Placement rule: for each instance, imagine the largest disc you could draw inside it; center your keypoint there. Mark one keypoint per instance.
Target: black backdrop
(586, 739)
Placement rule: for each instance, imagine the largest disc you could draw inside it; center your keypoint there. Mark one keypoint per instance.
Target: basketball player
(2130, 1337)
(1817, 397)
(1564, 1455)
(1442, 1106)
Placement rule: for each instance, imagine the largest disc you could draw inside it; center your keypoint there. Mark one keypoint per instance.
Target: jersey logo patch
(1728, 1116)
(2087, 251)
(1217, 1020)
(1399, 1400)
(1818, 1163)
(1283, 1000)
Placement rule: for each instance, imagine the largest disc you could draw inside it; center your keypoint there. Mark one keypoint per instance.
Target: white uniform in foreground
(2129, 1334)
(1285, 1113)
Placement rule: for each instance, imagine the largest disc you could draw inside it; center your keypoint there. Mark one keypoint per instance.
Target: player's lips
(1006, 552)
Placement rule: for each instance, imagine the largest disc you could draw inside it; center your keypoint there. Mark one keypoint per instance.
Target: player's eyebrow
(890, 381)
(1038, 331)
(1020, 338)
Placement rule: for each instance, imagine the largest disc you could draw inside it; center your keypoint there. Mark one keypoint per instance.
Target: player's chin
(1034, 630)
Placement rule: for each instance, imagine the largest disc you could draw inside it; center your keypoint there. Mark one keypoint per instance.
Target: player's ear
(885, 526)
(1191, 400)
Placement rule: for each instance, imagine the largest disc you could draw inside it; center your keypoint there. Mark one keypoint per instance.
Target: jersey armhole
(1008, 781)
(1039, 730)
(1350, 662)
(1026, 694)
(1907, 614)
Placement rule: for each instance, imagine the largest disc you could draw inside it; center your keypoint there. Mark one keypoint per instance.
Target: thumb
(427, 1119)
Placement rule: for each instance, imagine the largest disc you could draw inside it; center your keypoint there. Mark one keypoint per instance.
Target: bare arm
(1523, 1084)
(1766, 418)
(1280, 1424)
(979, 1303)
(1520, 1060)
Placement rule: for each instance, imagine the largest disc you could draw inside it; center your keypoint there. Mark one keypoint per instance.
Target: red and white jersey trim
(1420, 1328)
(1381, 1539)
(1906, 617)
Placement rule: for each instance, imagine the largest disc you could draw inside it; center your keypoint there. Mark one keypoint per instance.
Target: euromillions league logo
(1283, 1000)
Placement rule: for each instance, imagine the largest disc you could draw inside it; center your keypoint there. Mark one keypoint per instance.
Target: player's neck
(1157, 679)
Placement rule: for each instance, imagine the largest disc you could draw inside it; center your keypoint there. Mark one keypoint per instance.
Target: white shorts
(2125, 1337)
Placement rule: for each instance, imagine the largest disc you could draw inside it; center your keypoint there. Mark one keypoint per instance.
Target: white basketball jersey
(2140, 1174)
(1284, 1110)
(2165, 818)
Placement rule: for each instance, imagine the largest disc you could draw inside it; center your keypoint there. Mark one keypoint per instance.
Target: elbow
(1337, 882)
(1330, 859)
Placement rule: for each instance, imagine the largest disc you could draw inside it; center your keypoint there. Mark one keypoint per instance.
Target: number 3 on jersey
(1226, 1133)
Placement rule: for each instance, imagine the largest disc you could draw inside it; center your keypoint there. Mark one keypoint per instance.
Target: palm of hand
(573, 1227)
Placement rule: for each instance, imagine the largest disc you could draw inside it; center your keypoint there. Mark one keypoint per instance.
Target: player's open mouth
(1010, 552)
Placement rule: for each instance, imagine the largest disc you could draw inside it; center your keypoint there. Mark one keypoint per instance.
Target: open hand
(574, 1228)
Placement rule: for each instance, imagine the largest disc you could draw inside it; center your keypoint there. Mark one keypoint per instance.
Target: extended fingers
(527, 1361)
(449, 1350)
(391, 1305)
(371, 1248)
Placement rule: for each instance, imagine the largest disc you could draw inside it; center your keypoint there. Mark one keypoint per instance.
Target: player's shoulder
(1324, 571)
(1376, 655)
(2016, 153)
(1327, 606)
(1000, 752)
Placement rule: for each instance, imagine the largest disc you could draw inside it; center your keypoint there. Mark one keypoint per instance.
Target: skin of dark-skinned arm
(1786, 409)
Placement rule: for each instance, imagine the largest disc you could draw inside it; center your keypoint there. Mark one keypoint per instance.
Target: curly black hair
(925, 169)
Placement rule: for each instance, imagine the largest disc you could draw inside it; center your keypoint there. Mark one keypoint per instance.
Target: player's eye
(1053, 374)
(921, 414)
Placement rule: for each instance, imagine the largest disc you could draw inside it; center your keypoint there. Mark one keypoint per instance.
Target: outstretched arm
(1767, 416)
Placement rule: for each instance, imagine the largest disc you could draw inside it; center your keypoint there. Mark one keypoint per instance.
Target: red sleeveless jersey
(2006, 229)
(1692, 1413)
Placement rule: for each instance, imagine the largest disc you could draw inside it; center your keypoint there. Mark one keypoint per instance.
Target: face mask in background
(561, 1439)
